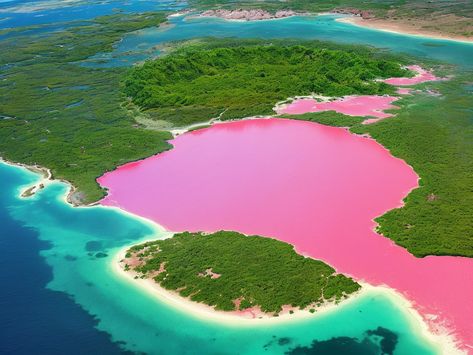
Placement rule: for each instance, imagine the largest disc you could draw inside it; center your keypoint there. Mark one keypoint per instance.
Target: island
(229, 271)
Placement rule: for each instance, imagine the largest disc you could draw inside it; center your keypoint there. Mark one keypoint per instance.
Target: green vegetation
(67, 117)
(435, 136)
(329, 118)
(432, 134)
(76, 121)
(195, 85)
(256, 271)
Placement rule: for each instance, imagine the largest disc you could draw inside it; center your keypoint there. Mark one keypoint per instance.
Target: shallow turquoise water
(140, 322)
(140, 45)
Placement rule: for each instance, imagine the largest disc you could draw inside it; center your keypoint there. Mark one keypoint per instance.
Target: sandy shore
(207, 313)
(44, 177)
(442, 340)
(398, 28)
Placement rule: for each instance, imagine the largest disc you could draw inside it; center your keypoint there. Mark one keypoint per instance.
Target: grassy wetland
(67, 117)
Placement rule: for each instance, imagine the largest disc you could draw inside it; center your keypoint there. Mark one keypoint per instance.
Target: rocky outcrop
(356, 12)
(248, 15)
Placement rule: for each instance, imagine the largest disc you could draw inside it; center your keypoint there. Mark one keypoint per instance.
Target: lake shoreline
(438, 327)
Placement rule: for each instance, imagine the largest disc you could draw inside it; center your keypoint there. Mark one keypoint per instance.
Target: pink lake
(422, 76)
(368, 105)
(404, 91)
(314, 186)
(364, 105)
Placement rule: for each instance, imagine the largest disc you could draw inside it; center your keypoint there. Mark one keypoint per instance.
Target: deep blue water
(36, 319)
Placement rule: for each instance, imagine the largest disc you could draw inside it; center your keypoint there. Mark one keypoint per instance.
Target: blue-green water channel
(145, 43)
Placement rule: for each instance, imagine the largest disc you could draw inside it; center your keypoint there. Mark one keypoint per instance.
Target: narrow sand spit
(392, 27)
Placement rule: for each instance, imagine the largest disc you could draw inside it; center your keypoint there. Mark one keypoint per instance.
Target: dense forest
(222, 267)
(435, 136)
(192, 86)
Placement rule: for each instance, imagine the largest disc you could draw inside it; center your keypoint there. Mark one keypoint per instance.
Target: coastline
(208, 313)
(443, 341)
(60, 190)
(46, 178)
(386, 26)
(449, 343)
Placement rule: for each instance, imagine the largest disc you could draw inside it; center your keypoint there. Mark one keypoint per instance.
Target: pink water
(421, 77)
(404, 91)
(369, 105)
(314, 186)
